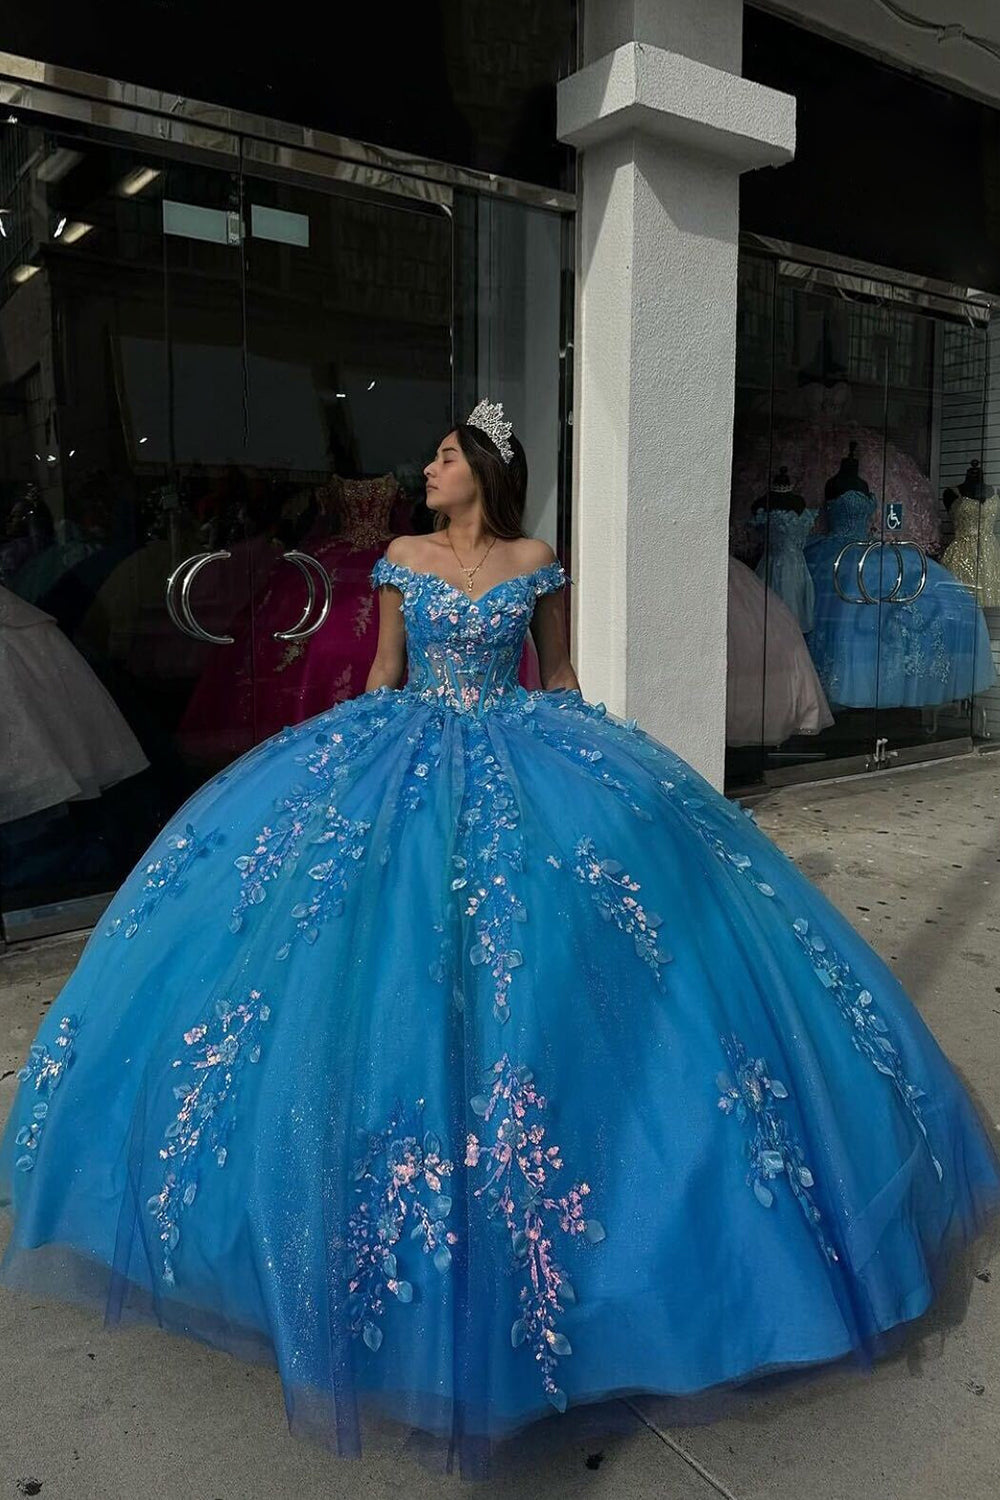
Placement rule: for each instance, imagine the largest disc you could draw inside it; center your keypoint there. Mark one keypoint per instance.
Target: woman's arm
(390, 654)
(548, 628)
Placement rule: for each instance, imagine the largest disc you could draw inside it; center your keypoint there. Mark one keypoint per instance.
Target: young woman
(465, 1054)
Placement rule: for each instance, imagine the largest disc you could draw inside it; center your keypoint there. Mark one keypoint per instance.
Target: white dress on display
(62, 736)
(774, 693)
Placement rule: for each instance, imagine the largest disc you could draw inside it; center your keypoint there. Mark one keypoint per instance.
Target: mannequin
(848, 477)
(812, 447)
(973, 555)
(930, 646)
(262, 683)
(785, 522)
(781, 495)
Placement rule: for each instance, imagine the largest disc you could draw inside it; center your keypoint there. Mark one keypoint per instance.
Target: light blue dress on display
(934, 649)
(463, 1053)
(783, 567)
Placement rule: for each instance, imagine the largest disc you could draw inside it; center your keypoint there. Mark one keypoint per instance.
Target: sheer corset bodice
(464, 652)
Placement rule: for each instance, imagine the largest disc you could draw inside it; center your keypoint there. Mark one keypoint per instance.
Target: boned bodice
(464, 652)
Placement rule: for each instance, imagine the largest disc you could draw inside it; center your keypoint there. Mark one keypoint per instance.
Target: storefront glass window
(219, 390)
(863, 570)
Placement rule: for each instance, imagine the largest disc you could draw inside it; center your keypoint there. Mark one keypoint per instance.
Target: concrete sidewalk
(913, 860)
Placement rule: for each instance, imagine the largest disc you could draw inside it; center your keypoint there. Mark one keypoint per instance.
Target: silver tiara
(488, 417)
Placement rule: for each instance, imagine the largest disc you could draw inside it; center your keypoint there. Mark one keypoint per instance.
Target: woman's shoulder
(398, 551)
(526, 553)
(537, 554)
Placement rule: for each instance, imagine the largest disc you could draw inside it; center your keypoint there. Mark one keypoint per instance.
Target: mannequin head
(847, 477)
(974, 485)
(780, 496)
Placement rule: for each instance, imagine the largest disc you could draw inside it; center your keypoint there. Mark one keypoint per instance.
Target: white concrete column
(665, 127)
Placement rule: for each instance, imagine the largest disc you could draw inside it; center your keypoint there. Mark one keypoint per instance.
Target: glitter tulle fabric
(465, 1055)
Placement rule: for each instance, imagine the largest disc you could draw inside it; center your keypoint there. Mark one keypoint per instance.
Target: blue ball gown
(463, 1053)
(933, 650)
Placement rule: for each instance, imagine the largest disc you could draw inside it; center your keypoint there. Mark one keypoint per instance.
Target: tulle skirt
(479, 1070)
(772, 690)
(62, 736)
(932, 650)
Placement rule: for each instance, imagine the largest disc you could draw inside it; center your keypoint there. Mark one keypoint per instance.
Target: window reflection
(216, 404)
(857, 420)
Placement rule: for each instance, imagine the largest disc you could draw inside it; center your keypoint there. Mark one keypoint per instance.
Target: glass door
(221, 383)
(124, 517)
(349, 390)
(789, 705)
(856, 639)
(220, 393)
(938, 665)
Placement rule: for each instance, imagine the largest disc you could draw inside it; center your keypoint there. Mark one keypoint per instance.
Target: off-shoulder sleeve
(552, 576)
(385, 571)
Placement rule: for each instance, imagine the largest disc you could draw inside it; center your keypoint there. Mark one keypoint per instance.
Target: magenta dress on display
(273, 683)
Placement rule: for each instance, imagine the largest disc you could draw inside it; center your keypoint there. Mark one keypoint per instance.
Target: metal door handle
(836, 570)
(310, 568)
(873, 547)
(893, 597)
(909, 598)
(181, 613)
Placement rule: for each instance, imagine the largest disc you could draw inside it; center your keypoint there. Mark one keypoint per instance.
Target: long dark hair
(504, 486)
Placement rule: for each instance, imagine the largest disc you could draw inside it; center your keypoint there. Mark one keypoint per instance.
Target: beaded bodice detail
(785, 530)
(365, 507)
(974, 554)
(850, 514)
(463, 652)
(973, 517)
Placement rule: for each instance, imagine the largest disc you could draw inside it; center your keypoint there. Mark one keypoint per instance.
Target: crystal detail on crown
(488, 417)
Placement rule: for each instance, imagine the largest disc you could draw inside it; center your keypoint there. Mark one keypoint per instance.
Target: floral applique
(590, 758)
(46, 1069)
(750, 1095)
(346, 840)
(612, 888)
(218, 1052)
(868, 1028)
(918, 644)
(489, 837)
(359, 709)
(291, 654)
(424, 761)
(463, 653)
(400, 1179)
(166, 876)
(279, 842)
(278, 845)
(517, 1165)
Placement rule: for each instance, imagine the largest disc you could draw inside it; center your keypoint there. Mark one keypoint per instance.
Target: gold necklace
(470, 573)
